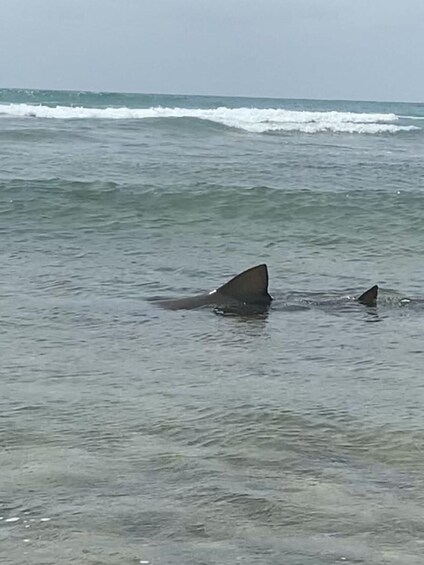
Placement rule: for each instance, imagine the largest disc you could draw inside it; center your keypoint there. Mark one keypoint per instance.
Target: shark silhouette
(369, 297)
(247, 289)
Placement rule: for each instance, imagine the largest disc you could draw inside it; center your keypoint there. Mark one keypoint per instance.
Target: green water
(134, 434)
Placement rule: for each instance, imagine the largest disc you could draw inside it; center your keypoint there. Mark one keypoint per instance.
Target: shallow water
(130, 433)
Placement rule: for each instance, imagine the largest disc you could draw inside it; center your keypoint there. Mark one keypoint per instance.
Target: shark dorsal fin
(369, 297)
(250, 286)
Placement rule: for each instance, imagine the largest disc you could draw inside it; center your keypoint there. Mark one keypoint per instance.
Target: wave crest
(255, 120)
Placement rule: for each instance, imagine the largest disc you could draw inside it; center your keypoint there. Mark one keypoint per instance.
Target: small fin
(250, 287)
(369, 298)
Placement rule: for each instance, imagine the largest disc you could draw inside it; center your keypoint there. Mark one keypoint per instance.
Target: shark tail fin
(369, 297)
(250, 287)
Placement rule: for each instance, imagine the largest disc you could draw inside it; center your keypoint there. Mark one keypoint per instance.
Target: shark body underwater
(248, 289)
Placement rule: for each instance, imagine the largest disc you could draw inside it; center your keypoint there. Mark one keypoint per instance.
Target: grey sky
(350, 49)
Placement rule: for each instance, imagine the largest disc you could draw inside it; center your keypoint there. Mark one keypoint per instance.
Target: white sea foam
(256, 120)
(13, 519)
(412, 117)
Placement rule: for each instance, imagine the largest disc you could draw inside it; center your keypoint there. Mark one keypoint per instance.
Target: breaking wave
(254, 120)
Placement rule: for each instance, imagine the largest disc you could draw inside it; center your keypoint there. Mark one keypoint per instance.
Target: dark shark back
(249, 287)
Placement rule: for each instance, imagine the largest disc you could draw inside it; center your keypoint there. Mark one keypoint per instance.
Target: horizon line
(214, 95)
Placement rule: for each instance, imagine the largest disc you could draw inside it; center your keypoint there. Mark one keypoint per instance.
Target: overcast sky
(348, 49)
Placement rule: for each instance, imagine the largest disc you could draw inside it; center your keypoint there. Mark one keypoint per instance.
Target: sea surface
(130, 434)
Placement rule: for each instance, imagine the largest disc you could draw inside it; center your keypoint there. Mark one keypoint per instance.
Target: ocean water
(131, 434)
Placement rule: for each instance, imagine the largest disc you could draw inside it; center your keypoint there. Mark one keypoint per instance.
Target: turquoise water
(130, 433)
